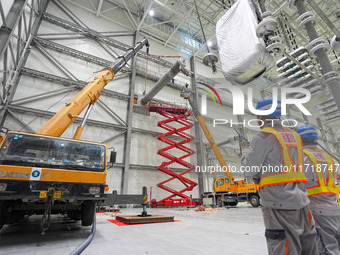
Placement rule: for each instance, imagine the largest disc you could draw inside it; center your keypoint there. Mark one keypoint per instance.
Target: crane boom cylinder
(80, 128)
(89, 94)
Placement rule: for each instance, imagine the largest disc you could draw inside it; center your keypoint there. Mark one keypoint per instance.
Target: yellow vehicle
(227, 191)
(42, 173)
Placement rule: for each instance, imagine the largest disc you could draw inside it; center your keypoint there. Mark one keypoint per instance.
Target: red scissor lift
(178, 114)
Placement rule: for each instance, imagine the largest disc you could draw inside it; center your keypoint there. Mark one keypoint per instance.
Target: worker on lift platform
(275, 159)
(320, 171)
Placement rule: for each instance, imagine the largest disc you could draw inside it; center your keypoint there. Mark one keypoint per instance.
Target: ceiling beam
(132, 19)
(100, 4)
(144, 16)
(179, 25)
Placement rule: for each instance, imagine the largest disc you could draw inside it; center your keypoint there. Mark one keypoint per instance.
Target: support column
(241, 129)
(127, 146)
(8, 28)
(323, 134)
(198, 132)
(209, 179)
(325, 64)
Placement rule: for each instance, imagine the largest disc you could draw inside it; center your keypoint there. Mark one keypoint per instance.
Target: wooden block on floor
(135, 219)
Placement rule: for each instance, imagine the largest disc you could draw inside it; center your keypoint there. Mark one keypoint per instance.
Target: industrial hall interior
(170, 127)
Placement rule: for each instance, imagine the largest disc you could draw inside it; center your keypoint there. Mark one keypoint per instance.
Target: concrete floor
(235, 231)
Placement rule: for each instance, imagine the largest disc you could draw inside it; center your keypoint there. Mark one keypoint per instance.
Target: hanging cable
(213, 64)
(199, 19)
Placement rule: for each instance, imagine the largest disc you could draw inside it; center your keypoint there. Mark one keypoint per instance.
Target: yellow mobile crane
(227, 191)
(42, 173)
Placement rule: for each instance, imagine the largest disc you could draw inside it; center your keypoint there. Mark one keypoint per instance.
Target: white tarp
(240, 49)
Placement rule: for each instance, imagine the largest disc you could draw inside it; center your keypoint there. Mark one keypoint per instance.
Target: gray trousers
(290, 232)
(328, 228)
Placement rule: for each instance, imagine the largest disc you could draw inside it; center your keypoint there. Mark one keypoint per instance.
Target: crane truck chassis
(230, 194)
(43, 173)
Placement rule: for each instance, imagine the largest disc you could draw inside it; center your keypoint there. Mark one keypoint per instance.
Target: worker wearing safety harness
(274, 160)
(320, 171)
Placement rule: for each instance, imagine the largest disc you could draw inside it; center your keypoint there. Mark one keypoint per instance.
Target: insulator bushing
(335, 43)
(274, 39)
(266, 26)
(306, 17)
(276, 48)
(266, 14)
(291, 3)
(315, 88)
(316, 44)
(331, 76)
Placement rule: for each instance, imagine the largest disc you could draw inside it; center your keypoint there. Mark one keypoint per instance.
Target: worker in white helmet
(275, 158)
(320, 169)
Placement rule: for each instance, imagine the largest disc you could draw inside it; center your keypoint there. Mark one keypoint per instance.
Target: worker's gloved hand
(244, 144)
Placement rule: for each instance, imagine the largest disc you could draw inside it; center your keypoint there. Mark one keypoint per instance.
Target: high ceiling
(175, 24)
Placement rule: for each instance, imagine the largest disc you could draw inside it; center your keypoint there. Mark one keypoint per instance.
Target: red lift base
(173, 202)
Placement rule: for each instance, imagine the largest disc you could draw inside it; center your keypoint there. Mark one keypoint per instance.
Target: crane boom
(210, 138)
(88, 95)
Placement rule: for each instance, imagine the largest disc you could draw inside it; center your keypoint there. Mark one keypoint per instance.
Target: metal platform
(136, 219)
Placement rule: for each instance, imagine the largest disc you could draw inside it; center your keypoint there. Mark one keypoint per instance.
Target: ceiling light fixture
(209, 43)
(151, 12)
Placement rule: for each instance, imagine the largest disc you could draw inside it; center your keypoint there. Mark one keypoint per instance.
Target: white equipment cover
(240, 49)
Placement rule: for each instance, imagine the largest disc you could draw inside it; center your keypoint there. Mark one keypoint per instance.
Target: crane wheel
(87, 211)
(254, 200)
(219, 202)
